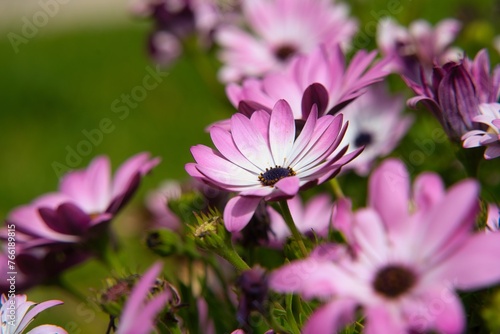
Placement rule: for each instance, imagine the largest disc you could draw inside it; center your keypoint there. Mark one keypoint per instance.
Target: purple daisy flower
(86, 198)
(263, 157)
(456, 91)
(401, 264)
(377, 123)
(320, 77)
(281, 29)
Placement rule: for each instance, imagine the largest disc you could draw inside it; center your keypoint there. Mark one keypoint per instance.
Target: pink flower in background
(157, 204)
(279, 30)
(377, 123)
(490, 116)
(311, 218)
(17, 313)
(418, 47)
(408, 259)
(140, 311)
(176, 20)
(86, 198)
(262, 157)
(456, 91)
(320, 77)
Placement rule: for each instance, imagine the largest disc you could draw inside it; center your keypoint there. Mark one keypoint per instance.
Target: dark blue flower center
(273, 175)
(394, 280)
(363, 139)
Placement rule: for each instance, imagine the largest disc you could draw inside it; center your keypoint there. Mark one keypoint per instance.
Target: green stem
(287, 216)
(272, 320)
(231, 256)
(290, 316)
(337, 190)
(110, 259)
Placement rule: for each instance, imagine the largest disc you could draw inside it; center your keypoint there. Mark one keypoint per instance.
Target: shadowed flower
(404, 257)
(17, 313)
(312, 218)
(280, 29)
(376, 123)
(253, 286)
(456, 91)
(490, 116)
(419, 46)
(262, 157)
(320, 77)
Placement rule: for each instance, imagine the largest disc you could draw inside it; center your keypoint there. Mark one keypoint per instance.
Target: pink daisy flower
(262, 157)
(320, 77)
(280, 29)
(405, 260)
(86, 198)
(17, 313)
(490, 116)
(421, 45)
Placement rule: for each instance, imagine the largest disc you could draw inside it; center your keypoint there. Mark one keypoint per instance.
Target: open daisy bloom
(17, 313)
(86, 199)
(401, 266)
(321, 77)
(282, 28)
(490, 116)
(263, 157)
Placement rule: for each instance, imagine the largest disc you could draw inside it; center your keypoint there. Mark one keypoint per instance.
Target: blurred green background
(64, 80)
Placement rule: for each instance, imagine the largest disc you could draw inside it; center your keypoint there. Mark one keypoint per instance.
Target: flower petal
(281, 132)
(331, 318)
(389, 193)
(238, 212)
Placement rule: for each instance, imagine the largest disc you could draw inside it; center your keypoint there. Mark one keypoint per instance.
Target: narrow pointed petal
(33, 312)
(137, 297)
(281, 133)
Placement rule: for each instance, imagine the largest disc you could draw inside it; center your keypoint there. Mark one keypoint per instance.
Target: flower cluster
(270, 233)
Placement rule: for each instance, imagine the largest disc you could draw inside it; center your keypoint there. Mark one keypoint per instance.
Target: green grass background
(63, 82)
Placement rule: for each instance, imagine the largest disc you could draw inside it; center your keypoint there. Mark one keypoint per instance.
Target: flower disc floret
(273, 175)
(393, 281)
(262, 157)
